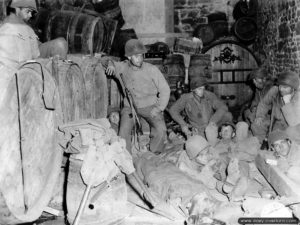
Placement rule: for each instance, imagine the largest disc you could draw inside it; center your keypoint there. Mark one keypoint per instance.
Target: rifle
(137, 123)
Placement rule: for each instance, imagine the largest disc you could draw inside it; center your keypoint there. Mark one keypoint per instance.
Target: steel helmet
(134, 47)
(31, 4)
(277, 135)
(199, 82)
(289, 78)
(258, 73)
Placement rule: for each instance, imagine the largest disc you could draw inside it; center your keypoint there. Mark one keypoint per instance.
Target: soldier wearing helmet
(149, 90)
(287, 153)
(284, 101)
(19, 43)
(202, 108)
(262, 84)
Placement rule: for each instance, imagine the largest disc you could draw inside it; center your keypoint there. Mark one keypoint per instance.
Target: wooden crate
(187, 46)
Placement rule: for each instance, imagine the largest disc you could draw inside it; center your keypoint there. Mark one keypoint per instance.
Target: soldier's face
(204, 156)
(137, 60)
(282, 147)
(285, 90)
(199, 91)
(24, 13)
(226, 132)
(259, 82)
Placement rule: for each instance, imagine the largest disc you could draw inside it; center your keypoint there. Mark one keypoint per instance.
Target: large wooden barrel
(85, 34)
(245, 29)
(231, 64)
(30, 156)
(95, 82)
(205, 32)
(244, 9)
(71, 87)
(220, 28)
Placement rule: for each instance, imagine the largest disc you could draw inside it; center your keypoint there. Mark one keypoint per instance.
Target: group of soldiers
(273, 114)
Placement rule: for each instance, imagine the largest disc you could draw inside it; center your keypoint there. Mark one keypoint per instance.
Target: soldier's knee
(61, 46)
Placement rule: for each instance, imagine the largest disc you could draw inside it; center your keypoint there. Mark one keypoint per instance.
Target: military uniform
(18, 42)
(149, 89)
(272, 101)
(200, 111)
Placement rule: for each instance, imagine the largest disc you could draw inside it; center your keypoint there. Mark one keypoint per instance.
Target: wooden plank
(279, 181)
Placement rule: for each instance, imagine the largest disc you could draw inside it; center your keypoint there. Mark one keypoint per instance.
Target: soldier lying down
(176, 187)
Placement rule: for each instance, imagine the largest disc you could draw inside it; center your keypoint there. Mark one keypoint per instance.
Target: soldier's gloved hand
(185, 130)
(155, 112)
(258, 121)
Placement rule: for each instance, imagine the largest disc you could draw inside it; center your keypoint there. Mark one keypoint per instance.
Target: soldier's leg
(211, 134)
(158, 129)
(58, 46)
(260, 131)
(241, 131)
(126, 125)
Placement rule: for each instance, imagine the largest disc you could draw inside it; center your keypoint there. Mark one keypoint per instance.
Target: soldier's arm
(177, 108)
(219, 107)
(291, 110)
(266, 102)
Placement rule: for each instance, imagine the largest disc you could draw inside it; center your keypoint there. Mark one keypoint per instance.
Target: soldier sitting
(284, 101)
(287, 154)
(202, 108)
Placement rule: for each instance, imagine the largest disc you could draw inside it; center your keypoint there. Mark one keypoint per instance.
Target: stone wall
(189, 13)
(278, 43)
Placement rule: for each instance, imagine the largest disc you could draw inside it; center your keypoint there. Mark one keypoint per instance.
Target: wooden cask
(245, 29)
(84, 33)
(71, 87)
(95, 82)
(231, 64)
(30, 156)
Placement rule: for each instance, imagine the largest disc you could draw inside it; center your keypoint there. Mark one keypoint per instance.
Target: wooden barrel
(200, 66)
(95, 82)
(244, 9)
(34, 159)
(216, 16)
(245, 29)
(85, 33)
(72, 89)
(220, 28)
(231, 64)
(109, 207)
(205, 32)
(104, 5)
(50, 4)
